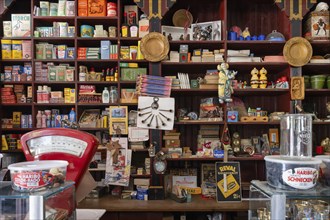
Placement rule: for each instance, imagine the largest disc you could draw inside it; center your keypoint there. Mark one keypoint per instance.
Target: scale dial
(160, 166)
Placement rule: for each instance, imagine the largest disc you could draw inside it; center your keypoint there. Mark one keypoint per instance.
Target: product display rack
(260, 16)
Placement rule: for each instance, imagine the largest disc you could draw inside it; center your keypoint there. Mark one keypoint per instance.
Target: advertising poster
(228, 179)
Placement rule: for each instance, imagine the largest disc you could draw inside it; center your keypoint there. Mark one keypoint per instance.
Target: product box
(21, 25)
(16, 49)
(51, 73)
(318, 25)
(89, 118)
(7, 28)
(82, 7)
(97, 7)
(17, 119)
(26, 49)
(130, 74)
(6, 49)
(69, 95)
(232, 116)
(105, 49)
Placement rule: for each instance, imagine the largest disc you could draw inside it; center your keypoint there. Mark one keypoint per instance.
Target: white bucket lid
(288, 160)
(38, 165)
(325, 158)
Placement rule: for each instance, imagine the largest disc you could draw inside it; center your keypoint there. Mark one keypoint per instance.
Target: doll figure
(254, 78)
(224, 83)
(263, 78)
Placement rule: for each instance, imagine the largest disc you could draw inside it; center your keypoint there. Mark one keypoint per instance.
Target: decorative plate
(182, 18)
(297, 51)
(154, 47)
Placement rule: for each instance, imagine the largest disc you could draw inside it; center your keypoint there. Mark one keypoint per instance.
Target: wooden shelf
(93, 129)
(53, 18)
(97, 60)
(17, 129)
(197, 42)
(54, 104)
(54, 82)
(55, 60)
(141, 176)
(11, 151)
(96, 38)
(16, 104)
(98, 82)
(217, 159)
(16, 82)
(97, 18)
(240, 92)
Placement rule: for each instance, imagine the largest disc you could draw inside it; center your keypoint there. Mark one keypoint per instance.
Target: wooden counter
(113, 204)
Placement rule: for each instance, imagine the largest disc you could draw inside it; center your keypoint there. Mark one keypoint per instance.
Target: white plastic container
(325, 169)
(37, 175)
(291, 174)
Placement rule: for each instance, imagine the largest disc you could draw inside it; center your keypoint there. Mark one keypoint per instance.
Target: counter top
(198, 204)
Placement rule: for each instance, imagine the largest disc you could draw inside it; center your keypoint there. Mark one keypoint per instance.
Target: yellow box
(69, 95)
(16, 49)
(17, 119)
(6, 49)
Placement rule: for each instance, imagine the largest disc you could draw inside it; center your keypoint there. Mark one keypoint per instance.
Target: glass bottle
(124, 27)
(133, 29)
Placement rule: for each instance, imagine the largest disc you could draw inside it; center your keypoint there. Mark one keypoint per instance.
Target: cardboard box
(97, 8)
(6, 49)
(21, 25)
(17, 119)
(318, 25)
(232, 116)
(130, 74)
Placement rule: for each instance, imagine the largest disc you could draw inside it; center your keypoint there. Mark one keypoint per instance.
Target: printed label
(31, 180)
(301, 177)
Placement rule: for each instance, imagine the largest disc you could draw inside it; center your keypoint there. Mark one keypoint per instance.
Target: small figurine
(254, 79)
(246, 33)
(225, 88)
(169, 37)
(263, 78)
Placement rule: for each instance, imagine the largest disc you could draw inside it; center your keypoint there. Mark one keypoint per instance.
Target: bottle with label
(124, 27)
(116, 75)
(43, 119)
(107, 76)
(39, 119)
(72, 115)
(133, 29)
(143, 25)
(113, 94)
(105, 95)
(82, 73)
(112, 75)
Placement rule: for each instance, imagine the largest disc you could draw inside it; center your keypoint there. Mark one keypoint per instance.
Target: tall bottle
(124, 27)
(134, 29)
(72, 115)
(105, 95)
(113, 95)
(43, 119)
(39, 119)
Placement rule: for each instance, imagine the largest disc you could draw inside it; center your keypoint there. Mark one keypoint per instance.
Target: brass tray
(297, 51)
(154, 47)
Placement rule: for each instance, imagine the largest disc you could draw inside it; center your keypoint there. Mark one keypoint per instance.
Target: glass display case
(54, 203)
(267, 202)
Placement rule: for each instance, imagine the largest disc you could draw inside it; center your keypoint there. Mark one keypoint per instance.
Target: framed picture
(208, 173)
(216, 30)
(202, 31)
(118, 122)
